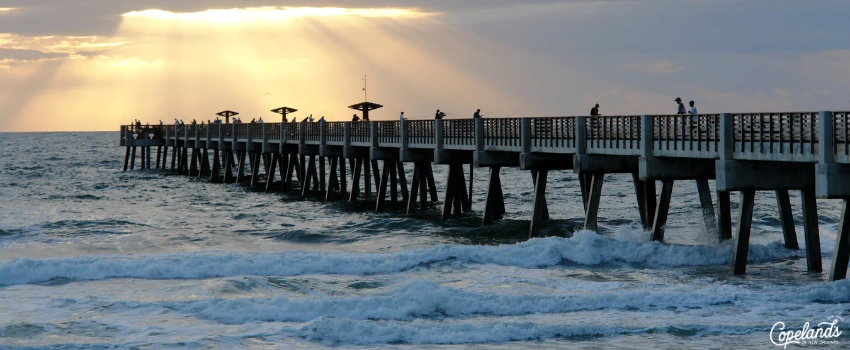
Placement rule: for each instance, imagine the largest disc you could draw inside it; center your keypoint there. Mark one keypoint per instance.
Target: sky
(93, 65)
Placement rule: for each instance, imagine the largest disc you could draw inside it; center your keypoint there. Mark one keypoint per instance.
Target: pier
(749, 152)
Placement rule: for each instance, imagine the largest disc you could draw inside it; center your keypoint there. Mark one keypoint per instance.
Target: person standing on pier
(322, 119)
(294, 120)
(401, 116)
(693, 109)
(477, 114)
(261, 120)
(439, 115)
(595, 110)
(355, 118)
(681, 109)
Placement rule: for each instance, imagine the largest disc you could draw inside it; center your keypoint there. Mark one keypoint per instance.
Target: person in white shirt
(310, 118)
(693, 109)
(401, 117)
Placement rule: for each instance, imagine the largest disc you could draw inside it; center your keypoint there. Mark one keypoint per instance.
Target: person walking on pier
(681, 109)
(595, 110)
(477, 114)
(401, 116)
(693, 109)
(355, 118)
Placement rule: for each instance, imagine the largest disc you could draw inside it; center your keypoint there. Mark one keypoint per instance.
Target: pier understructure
(745, 153)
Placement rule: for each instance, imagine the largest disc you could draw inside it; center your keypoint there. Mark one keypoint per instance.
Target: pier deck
(806, 151)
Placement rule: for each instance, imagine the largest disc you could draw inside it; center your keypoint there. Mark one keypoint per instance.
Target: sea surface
(93, 257)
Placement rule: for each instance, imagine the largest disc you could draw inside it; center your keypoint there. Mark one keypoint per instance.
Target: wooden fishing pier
(749, 152)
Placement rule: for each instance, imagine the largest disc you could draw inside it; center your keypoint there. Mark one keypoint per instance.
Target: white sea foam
(334, 330)
(585, 248)
(420, 298)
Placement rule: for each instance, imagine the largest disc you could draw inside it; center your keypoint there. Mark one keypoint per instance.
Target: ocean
(92, 257)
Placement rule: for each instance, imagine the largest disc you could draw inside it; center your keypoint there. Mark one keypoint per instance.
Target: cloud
(650, 67)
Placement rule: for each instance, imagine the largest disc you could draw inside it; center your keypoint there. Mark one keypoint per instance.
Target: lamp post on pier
(227, 115)
(283, 111)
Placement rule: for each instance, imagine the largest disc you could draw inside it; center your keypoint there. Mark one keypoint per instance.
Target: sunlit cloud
(74, 46)
(271, 13)
(7, 9)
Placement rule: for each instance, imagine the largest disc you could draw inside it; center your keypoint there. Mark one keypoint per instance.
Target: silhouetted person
(355, 118)
(439, 115)
(595, 110)
(401, 116)
(253, 120)
(681, 109)
(693, 109)
(477, 113)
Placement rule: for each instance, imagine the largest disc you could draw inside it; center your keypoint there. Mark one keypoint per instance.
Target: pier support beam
(270, 170)
(455, 199)
(592, 207)
(742, 239)
(216, 167)
(724, 219)
(540, 211)
(355, 180)
(787, 218)
(660, 222)
(494, 204)
(707, 206)
(841, 255)
(810, 226)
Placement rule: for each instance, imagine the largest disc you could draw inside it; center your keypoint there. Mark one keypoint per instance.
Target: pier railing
(459, 134)
(502, 134)
(786, 136)
(272, 131)
(335, 133)
(389, 133)
(553, 134)
(361, 134)
(693, 136)
(420, 133)
(613, 135)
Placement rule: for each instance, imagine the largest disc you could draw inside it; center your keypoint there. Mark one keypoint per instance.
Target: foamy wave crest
(333, 330)
(418, 299)
(585, 247)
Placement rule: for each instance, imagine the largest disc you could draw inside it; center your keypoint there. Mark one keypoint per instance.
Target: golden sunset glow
(162, 65)
(6, 9)
(270, 13)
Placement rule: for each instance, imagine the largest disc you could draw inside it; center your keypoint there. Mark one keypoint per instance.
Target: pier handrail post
(646, 140)
(479, 134)
(525, 134)
(581, 134)
(323, 133)
(826, 137)
(404, 134)
(249, 145)
(185, 135)
(346, 134)
(265, 137)
(727, 137)
(220, 136)
(374, 136)
(197, 138)
(302, 134)
(166, 136)
(438, 135)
